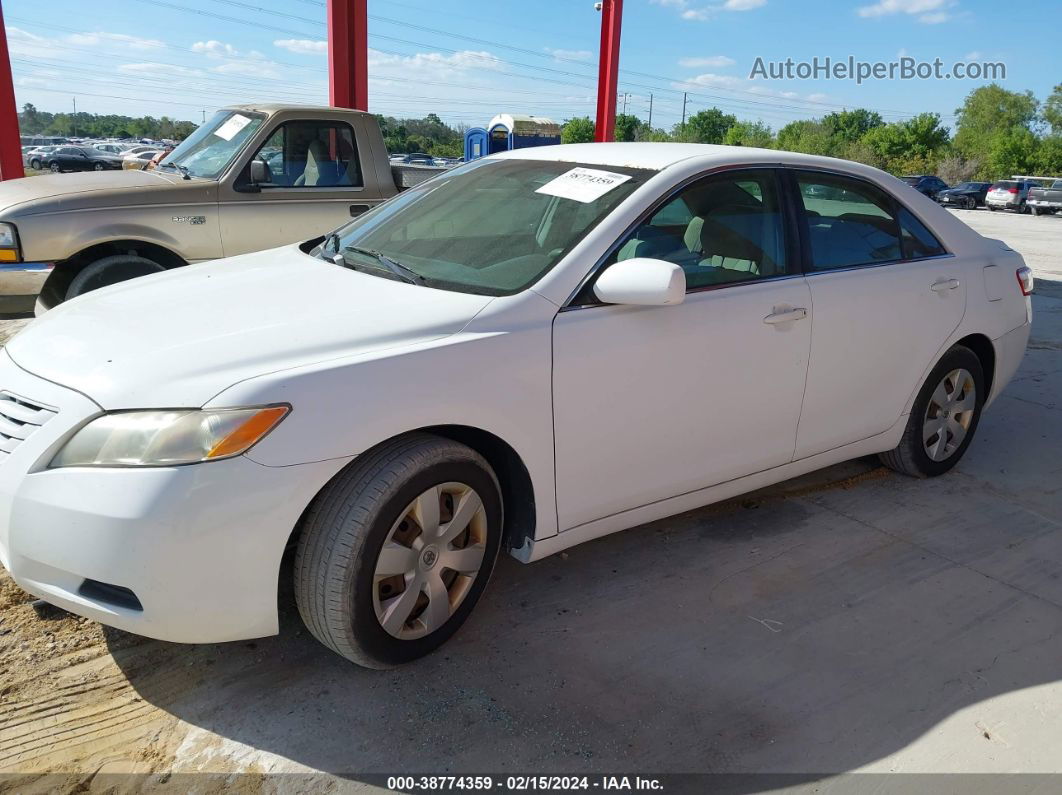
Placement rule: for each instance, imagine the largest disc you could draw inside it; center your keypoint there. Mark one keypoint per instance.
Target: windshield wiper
(183, 169)
(397, 268)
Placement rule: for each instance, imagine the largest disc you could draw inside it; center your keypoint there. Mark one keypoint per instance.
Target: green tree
(1013, 151)
(705, 127)
(851, 125)
(749, 133)
(629, 127)
(1052, 110)
(991, 111)
(809, 136)
(579, 130)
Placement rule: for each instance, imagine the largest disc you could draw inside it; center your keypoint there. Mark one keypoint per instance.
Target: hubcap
(429, 560)
(949, 414)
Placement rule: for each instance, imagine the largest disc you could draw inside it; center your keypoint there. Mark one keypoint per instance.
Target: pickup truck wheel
(1036, 211)
(395, 552)
(943, 419)
(110, 270)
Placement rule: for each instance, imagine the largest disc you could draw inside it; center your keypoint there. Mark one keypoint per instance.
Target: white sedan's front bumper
(197, 547)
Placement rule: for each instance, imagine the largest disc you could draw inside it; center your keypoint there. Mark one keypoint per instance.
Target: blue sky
(183, 57)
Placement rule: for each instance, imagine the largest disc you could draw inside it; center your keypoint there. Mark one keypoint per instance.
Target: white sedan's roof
(658, 156)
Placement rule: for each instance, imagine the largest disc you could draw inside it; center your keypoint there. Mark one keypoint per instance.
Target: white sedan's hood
(179, 338)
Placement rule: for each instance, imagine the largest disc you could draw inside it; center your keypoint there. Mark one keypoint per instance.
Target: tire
(35, 164)
(98, 167)
(913, 454)
(971, 203)
(1023, 208)
(54, 166)
(344, 597)
(1036, 211)
(991, 208)
(111, 270)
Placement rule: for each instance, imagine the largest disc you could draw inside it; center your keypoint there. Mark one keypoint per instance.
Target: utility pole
(204, 115)
(683, 108)
(650, 113)
(625, 95)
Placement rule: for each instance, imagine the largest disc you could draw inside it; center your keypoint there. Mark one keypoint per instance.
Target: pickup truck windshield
(208, 151)
(491, 227)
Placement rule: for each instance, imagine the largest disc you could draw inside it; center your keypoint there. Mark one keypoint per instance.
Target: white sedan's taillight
(1025, 279)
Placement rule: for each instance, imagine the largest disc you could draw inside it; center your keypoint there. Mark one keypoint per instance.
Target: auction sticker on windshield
(232, 126)
(583, 184)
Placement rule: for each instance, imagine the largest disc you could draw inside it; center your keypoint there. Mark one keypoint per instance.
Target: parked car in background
(419, 157)
(138, 160)
(570, 309)
(136, 149)
(37, 157)
(112, 148)
(158, 158)
(926, 184)
(1010, 194)
(81, 158)
(1046, 201)
(969, 195)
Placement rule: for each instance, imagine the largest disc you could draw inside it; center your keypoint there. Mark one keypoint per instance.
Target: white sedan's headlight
(167, 438)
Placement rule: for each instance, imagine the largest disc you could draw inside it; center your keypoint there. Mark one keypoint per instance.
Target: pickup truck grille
(19, 418)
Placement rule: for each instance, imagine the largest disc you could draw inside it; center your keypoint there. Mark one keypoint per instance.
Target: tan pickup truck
(250, 178)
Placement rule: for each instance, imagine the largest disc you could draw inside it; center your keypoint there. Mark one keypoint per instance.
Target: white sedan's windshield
(492, 227)
(208, 151)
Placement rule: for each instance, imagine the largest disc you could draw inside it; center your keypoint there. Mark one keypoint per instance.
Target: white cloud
(466, 59)
(96, 39)
(702, 12)
(159, 70)
(976, 55)
(743, 5)
(930, 12)
(303, 46)
(215, 49)
(710, 60)
(570, 55)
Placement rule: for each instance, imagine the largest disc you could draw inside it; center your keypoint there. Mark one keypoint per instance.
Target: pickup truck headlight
(8, 243)
(167, 438)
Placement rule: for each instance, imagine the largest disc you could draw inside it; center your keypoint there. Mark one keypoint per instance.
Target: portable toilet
(475, 143)
(510, 131)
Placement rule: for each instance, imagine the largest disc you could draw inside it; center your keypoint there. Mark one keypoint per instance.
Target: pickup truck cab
(1046, 201)
(252, 177)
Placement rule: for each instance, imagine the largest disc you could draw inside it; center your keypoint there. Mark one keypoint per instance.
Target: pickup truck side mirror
(256, 175)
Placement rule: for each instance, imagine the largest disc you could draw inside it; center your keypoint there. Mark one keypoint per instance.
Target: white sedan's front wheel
(396, 550)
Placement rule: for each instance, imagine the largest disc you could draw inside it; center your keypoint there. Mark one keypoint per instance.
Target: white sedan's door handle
(944, 284)
(785, 317)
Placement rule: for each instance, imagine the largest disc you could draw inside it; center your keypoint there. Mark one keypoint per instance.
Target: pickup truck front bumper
(23, 278)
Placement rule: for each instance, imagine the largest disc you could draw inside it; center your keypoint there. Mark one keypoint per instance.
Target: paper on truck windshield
(583, 184)
(232, 126)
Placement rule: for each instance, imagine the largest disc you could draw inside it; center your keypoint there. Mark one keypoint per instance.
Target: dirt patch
(65, 706)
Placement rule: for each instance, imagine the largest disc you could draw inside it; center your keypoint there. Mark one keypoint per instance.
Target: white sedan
(527, 352)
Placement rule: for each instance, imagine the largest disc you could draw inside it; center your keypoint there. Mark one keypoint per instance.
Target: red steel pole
(348, 54)
(10, 143)
(608, 69)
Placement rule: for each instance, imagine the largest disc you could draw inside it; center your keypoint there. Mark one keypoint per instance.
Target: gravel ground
(852, 620)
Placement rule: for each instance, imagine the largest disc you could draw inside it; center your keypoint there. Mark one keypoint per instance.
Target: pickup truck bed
(1046, 201)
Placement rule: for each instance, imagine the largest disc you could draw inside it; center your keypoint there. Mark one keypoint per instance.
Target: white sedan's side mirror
(642, 282)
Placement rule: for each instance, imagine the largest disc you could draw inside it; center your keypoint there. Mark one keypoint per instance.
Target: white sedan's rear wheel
(943, 418)
(396, 550)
